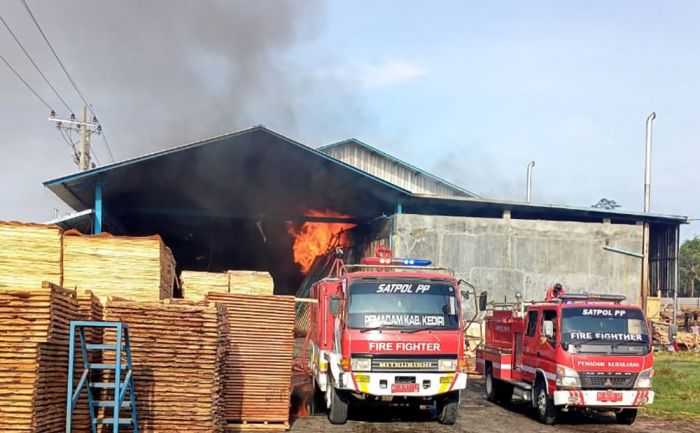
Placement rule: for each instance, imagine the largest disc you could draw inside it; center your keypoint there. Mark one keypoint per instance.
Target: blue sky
(471, 91)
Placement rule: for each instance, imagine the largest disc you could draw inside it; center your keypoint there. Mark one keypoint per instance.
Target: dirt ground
(478, 415)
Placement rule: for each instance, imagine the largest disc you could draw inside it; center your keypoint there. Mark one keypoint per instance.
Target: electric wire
(58, 59)
(26, 53)
(104, 137)
(65, 70)
(31, 89)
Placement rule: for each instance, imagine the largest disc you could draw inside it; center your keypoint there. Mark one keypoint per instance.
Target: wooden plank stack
(29, 255)
(251, 283)
(196, 284)
(34, 334)
(137, 268)
(178, 349)
(258, 364)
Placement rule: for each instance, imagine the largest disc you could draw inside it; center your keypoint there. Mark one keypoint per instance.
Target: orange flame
(313, 239)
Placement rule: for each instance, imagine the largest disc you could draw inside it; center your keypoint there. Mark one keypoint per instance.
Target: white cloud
(374, 75)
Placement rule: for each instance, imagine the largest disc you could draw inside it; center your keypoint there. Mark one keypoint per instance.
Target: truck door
(530, 345)
(547, 350)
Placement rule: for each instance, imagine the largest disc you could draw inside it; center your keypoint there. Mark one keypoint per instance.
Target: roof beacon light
(383, 257)
(387, 261)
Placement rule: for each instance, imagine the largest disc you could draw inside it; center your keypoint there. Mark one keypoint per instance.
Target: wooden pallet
(255, 426)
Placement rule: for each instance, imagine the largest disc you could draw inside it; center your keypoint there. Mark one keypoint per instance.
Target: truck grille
(604, 380)
(404, 364)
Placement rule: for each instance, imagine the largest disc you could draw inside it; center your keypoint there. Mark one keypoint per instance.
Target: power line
(34, 63)
(31, 89)
(75, 86)
(70, 78)
(104, 137)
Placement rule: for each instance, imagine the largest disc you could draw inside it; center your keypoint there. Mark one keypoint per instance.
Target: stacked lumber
(29, 255)
(251, 283)
(137, 268)
(34, 359)
(258, 366)
(177, 350)
(196, 284)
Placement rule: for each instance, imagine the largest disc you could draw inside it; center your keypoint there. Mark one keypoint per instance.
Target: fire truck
(577, 352)
(387, 331)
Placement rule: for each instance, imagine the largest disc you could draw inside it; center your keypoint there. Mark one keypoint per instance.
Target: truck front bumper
(381, 384)
(604, 398)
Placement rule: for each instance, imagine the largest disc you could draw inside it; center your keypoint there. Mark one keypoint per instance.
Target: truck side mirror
(548, 328)
(334, 305)
(483, 299)
(465, 294)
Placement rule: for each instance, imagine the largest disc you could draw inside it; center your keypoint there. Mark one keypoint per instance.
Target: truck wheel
(546, 411)
(338, 412)
(626, 416)
(497, 391)
(448, 408)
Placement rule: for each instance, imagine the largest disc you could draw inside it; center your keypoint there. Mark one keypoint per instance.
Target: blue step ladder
(121, 388)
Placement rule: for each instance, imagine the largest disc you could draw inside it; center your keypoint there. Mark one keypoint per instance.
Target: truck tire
(497, 391)
(544, 404)
(626, 416)
(448, 408)
(338, 412)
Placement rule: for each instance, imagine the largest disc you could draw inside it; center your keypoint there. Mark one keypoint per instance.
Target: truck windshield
(596, 329)
(402, 304)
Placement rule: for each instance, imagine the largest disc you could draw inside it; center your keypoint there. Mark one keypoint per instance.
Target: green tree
(689, 267)
(605, 203)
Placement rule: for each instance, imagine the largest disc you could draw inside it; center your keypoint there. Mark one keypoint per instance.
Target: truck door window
(552, 316)
(531, 323)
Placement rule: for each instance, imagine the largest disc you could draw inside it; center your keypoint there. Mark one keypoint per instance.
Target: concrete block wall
(505, 256)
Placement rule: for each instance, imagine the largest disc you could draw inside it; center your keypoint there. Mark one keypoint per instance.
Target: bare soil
(478, 415)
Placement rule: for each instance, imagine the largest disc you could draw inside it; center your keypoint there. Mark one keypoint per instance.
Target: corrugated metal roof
(458, 190)
(214, 197)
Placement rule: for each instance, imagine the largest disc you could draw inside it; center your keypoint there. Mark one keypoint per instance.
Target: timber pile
(137, 268)
(258, 364)
(251, 283)
(34, 359)
(177, 349)
(196, 284)
(29, 255)
(686, 340)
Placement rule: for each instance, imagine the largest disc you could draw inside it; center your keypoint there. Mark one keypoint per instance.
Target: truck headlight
(361, 364)
(644, 379)
(447, 365)
(567, 377)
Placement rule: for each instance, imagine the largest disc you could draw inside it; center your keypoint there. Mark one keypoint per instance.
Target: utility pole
(84, 130)
(84, 142)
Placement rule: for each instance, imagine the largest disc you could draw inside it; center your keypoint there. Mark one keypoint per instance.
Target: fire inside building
(255, 199)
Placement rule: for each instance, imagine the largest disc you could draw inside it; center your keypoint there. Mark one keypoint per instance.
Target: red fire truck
(577, 352)
(387, 331)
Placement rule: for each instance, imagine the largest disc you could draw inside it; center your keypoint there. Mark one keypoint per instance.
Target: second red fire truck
(577, 352)
(388, 330)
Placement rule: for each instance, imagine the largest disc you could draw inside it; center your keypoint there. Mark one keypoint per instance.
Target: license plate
(609, 397)
(404, 387)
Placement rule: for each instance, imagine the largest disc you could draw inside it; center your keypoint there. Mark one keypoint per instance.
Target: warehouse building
(227, 202)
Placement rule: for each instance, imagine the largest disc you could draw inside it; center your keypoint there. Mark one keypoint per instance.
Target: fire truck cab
(577, 352)
(387, 331)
